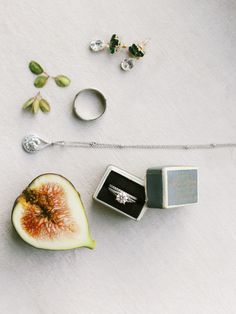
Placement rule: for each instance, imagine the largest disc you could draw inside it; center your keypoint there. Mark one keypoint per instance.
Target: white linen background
(183, 91)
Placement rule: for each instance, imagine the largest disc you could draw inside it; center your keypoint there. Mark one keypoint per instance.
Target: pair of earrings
(135, 51)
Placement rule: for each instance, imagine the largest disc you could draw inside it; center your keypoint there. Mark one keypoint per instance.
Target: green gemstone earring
(113, 46)
(135, 51)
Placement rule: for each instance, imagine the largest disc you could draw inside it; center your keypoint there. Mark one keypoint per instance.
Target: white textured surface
(183, 91)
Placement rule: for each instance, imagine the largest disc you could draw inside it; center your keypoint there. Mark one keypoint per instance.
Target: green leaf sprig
(38, 102)
(42, 78)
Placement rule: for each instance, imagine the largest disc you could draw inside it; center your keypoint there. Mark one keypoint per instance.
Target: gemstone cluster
(122, 198)
(31, 143)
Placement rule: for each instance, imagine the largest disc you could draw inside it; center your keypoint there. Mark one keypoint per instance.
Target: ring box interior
(170, 187)
(127, 183)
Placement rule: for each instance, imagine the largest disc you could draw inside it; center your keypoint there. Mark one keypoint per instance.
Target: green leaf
(62, 80)
(40, 81)
(28, 103)
(35, 107)
(35, 68)
(44, 105)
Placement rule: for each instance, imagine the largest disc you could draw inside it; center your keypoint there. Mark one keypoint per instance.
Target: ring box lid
(170, 187)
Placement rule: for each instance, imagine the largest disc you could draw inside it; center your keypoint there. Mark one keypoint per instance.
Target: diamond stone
(127, 64)
(97, 45)
(122, 197)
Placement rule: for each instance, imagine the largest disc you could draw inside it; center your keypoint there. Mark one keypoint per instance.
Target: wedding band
(122, 197)
(89, 114)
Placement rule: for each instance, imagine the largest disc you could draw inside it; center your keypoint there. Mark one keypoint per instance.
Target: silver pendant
(32, 143)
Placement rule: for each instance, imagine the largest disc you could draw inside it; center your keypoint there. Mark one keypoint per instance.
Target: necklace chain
(32, 143)
(142, 146)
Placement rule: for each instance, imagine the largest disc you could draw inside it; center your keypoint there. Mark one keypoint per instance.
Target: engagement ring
(121, 196)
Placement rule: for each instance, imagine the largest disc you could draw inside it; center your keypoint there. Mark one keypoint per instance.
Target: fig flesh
(49, 214)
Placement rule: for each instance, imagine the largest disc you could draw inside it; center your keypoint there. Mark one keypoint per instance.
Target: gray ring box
(165, 187)
(170, 187)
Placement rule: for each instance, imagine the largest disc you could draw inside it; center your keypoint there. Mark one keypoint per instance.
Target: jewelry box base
(132, 188)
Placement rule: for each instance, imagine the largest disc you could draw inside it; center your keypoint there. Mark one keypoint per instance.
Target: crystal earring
(135, 51)
(113, 46)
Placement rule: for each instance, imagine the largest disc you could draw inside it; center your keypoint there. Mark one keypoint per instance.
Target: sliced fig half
(49, 214)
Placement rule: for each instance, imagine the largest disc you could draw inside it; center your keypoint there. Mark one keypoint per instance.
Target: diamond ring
(121, 196)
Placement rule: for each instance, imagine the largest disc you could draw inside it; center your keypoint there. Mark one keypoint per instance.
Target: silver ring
(122, 197)
(91, 116)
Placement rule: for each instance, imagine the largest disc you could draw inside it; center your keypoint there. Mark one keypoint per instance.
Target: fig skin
(93, 242)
